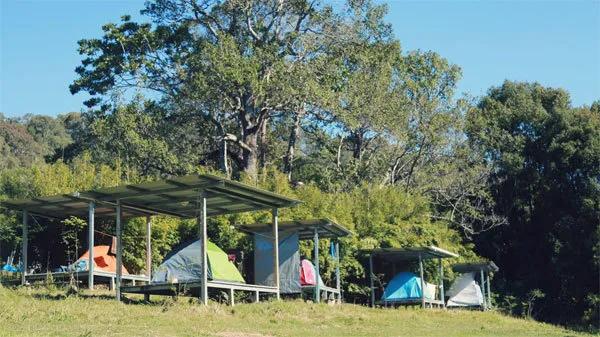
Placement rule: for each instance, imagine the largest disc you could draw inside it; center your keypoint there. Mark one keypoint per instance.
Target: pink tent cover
(307, 273)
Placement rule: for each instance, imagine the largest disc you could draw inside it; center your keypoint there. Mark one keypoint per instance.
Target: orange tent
(103, 260)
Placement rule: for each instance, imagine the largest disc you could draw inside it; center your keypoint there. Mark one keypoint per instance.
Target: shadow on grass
(63, 296)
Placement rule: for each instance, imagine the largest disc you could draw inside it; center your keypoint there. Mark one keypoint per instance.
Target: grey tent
(465, 292)
(289, 261)
(471, 288)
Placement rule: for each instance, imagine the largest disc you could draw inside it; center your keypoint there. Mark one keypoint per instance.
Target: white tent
(465, 292)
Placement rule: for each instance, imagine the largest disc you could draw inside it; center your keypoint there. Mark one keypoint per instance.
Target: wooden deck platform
(100, 277)
(411, 301)
(326, 290)
(193, 289)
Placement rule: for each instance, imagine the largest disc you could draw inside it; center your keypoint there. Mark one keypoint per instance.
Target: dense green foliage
(547, 182)
(320, 103)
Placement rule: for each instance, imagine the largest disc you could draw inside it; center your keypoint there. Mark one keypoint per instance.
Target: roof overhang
(306, 228)
(489, 267)
(179, 197)
(410, 254)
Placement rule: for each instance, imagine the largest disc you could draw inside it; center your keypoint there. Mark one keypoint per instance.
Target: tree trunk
(250, 155)
(263, 144)
(357, 139)
(294, 135)
(223, 165)
(223, 151)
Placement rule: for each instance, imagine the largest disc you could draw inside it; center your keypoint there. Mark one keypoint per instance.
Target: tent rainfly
(192, 196)
(406, 288)
(465, 291)
(183, 264)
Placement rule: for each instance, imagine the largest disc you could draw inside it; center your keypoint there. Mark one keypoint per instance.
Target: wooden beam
(203, 242)
(91, 211)
(316, 263)
(151, 211)
(275, 215)
(24, 246)
(138, 191)
(244, 196)
(422, 282)
(119, 252)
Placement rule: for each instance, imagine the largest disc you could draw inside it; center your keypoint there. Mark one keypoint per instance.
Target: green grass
(41, 312)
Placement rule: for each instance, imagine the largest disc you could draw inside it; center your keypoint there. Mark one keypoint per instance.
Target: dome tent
(184, 264)
(103, 260)
(407, 286)
(465, 292)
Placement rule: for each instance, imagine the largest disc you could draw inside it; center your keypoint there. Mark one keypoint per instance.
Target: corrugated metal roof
(178, 197)
(326, 228)
(411, 253)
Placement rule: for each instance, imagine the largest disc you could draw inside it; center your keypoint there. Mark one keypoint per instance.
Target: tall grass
(30, 311)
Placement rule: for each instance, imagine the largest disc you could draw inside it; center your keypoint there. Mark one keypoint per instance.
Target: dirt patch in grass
(241, 334)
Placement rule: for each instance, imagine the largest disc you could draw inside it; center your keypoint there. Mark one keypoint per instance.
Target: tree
(143, 139)
(546, 181)
(49, 132)
(17, 147)
(232, 64)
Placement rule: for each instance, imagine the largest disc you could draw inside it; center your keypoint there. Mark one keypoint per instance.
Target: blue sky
(556, 43)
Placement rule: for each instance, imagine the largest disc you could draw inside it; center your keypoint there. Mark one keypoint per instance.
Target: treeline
(321, 103)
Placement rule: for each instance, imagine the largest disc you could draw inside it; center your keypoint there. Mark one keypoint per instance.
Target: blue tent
(11, 269)
(404, 286)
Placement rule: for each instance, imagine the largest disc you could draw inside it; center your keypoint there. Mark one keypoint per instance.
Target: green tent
(219, 265)
(184, 264)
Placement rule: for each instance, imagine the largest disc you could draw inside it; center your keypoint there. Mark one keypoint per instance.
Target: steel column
(276, 250)
(149, 247)
(371, 280)
(203, 241)
(119, 251)
(338, 283)
(24, 246)
(483, 289)
(91, 211)
(442, 295)
(422, 282)
(489, 293)
(316, 263)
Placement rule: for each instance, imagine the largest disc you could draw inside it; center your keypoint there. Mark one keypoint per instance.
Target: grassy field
(40, 312)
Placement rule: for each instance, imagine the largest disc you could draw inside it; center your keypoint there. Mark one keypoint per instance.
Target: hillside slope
(31, 312)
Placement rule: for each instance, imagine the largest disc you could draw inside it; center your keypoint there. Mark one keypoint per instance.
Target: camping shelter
(403, 288)
(465, 291)
(289, 264)
(191, 196)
